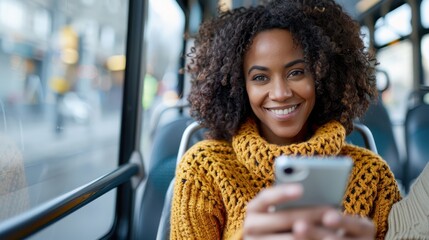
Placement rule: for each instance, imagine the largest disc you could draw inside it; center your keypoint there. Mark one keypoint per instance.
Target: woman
(288, 78)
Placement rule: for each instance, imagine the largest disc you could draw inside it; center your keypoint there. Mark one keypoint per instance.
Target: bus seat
(417, 135)
(162, 164)
(161, 110)
(365, 135)
(192, 134)
(164, 223)
(378, 121)
(185, 143)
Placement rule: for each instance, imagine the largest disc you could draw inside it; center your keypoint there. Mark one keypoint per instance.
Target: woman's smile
(283, 112)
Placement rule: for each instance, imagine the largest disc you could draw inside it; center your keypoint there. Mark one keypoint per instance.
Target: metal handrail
(366, 133)
(186, 139)
(160, 110)
(44, 215)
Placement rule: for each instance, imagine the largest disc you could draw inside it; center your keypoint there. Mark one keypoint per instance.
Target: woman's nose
(280, 90)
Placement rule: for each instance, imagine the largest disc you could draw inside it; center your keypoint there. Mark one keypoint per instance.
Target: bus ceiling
(358, 9)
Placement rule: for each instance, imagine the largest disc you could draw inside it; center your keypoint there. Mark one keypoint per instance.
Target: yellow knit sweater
(216, 179)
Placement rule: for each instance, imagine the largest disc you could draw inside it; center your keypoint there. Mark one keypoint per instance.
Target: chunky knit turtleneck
(216, 179)
(258, 155)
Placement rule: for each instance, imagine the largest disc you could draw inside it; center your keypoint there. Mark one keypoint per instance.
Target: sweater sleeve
(197, 212)
(388, 194)
(409, 218)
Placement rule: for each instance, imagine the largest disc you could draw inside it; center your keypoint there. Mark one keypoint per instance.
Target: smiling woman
(284, 78)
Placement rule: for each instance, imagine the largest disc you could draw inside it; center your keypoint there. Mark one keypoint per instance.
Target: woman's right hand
(321, 222)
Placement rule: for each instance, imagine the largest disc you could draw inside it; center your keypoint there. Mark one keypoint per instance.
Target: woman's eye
(296, 73)
(259, 78)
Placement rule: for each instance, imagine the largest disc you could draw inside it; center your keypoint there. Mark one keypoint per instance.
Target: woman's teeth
(283, 111)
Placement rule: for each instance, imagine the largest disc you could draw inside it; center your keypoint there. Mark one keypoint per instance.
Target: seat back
(378, 121)
(186, 142)
(417, 135)
(162, 164)
(362, 136)
(192, 134)
(164, 222)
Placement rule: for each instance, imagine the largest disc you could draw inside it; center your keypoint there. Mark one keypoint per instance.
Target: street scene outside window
(62, 68)
(61, 84)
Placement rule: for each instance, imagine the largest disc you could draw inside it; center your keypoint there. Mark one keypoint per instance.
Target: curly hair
(344, 72)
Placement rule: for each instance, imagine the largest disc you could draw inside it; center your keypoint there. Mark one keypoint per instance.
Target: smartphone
(324, 179)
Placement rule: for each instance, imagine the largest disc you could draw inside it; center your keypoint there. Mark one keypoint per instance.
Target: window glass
(89, 222)
(396, 60)
(61, 86)
(12, 14)
(195, 18)
(164, 43)
(424, 10)
(425, 56)
(365, 36)
(393, 25)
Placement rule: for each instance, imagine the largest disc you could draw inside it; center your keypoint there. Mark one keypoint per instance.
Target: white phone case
(324, 178)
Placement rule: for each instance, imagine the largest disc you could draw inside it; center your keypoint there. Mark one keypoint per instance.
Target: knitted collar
(258, 155)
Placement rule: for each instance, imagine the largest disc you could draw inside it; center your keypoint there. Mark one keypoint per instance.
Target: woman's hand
(322, 222)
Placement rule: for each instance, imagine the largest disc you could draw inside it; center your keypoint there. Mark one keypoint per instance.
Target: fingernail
(300, 227)
(293, 189)
(332, 217)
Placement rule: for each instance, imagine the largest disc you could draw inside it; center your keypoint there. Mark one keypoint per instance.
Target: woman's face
(281, 92)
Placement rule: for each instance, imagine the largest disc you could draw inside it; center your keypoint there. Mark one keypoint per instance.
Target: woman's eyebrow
(261, 68)
(290, 64)
(257, 67)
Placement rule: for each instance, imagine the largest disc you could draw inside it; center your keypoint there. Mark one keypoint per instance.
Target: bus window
(396, 60)
(424, 9)
(425, 55)
(164, 43)
(395, 57)
(365, 36)
(393, 26)
(62, 71)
